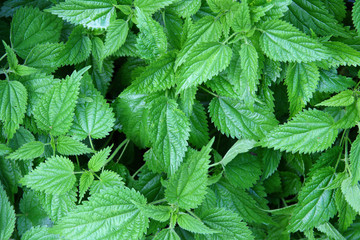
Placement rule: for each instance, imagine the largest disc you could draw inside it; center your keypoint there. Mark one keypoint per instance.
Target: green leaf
(240, 146)
(331, 81)
(159, 213)
(301, 80)
(187, 187)
(192, 224)
(330, 231)
(242, 21)
(99, 160)
(336, 8)
(199, 132)
(68, 146)
(98, 51)
(186, 8)
(271, 160)
(115, 36)
(90, 14)
(149, 184)
(108, 179)
(10, 56)
(169, 131)
(39, 233)
(228, 223)
(11, 6)
(222, 85)
(167, 234)
(149, 6)
(233, 118)
(129, 47)
(313, 16)
(7, 215)
(342, 99)
(342, 54)
(352, 193)
(356, 15)
(308, 132)
(345, 212)
(13, 97)
(4, 150)
(283, 42)
(94, 119)
(77, 49)
(30, 27)
(86, 179)
(206, 29)
(205, 61)
(355, 160)
(54, 176)
(54, 112)
(349, 119)
(117, 217)
(151, 41)
(28, 151)
(314, 199)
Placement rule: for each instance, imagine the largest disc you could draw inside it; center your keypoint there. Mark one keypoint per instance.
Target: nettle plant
(180, 119)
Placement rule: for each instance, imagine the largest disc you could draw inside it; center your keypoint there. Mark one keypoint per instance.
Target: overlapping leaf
(68, 146)
(115, 36)
(28, 151)
(7, 215)
(149, 6)
(356, 15)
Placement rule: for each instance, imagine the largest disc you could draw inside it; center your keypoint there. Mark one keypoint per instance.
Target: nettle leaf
(108, 179)
(233, 118)
(330, 231)
(301, 80)
(54, 112)
(205, 61)
(186, 8)
(54, 176)
(169, 132)
(129, 47)
(30, 27)
(151, 41)
(94, 119)
(228, 224)
(13, 100)
(91, 14)
(342, 99)
(356, 15)
(149, 6)
(97, 161)
(314, 201)
(331, 81)
(110, 214)
(97, 51)
(199, 132)
(7, 215)
(206, 29)
(240, 146)
(39, 233)
(115, 36)
(86, 179)
(308, 132)
(313, 16)
(68, 146)
(242, 20)
(346, 213)
(167, 234)
(355, 160)
(187, 187)
(159, 213)
(283, 42)
(28, 151)
(192, 224)
(349, 119)
(342, 54)
(351, 192)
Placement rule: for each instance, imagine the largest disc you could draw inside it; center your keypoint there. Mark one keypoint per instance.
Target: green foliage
(179, 119)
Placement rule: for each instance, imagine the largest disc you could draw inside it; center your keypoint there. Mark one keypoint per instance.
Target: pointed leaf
(355, 160)
(69, 146)
(54, 176)
(331, 82)
(241, 146)
(97, 161)
(86, 179)
(167, 234)
(108, 179)
(115, 36)
(199, 132)
(192, 224)
(346, 213)
(352, 193)
(7, 215)
(342, 99)
(28, 151)
(159, 213)
(186, 8)
(356, 15)
(150, 6)
(39, 233)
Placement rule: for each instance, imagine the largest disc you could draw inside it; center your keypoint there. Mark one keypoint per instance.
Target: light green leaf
(355, 160)
(98, 51)
(233, 118)
(150, 6)
(187, 187)
(167, 234)
(39, 233)
(91, 14)
(99, 160)
(206, 29)
(151, 41)
(331, 81)
(94, 119)
(54, 112)
(241, 146)
(129, 47)
(13, 97)
(301, 80)
(169, 131)
(117, 217)
(28, 151)
(199, 132)
(313, 16)
(349, 119)
(342, 54)
(186, 8)
(345, 212)
(316, 205)
(228, 223)
(342, 99)
(308, 132)
(330, 231)
(283, 42)
(10, 56)
(23, 70)
(205, 61)
(7, 215)
(54, 176)
(242, 21)
(352, 193)
(157, 212)
(4, 150)
(222, 86)
(86, 179)
(108, 179)
(68, 146)
(58, 205)
(192, 224)
(356, 15)
(30, 27)
(115, 36)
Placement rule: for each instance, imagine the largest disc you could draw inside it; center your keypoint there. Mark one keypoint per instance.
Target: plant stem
(122, 152)
(91, 144)
(3, 56)
(137, 171)
(158, 201)
(209, 92)
(118, 149)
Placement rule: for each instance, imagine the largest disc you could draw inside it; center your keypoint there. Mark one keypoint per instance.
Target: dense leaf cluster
(179, 119)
